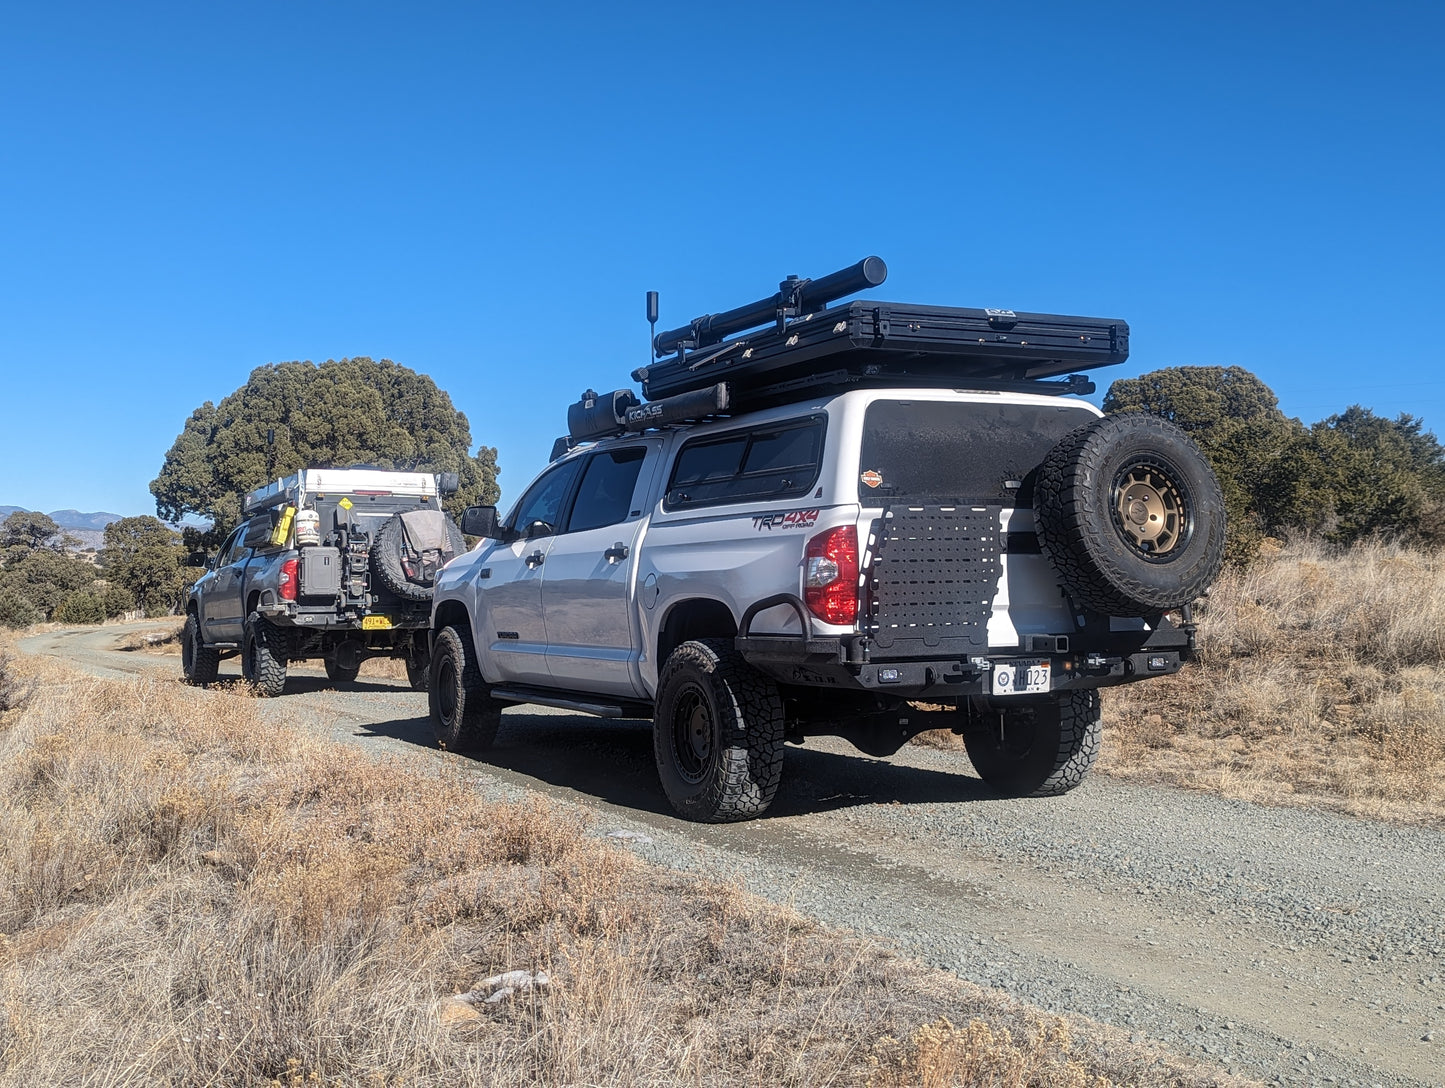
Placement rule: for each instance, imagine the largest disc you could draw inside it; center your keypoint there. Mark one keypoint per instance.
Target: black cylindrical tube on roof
(710, 328)
(694, 404)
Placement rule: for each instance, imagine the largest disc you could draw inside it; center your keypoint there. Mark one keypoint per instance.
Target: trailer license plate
(1020, 677)
(376, 623)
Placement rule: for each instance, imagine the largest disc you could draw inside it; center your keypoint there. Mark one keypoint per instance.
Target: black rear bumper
(1093, 657)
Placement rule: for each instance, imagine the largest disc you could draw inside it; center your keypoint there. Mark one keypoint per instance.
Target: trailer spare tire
(1131, 515)
(409, 550)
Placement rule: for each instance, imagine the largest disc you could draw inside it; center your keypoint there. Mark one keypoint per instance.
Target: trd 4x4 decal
(793, 519)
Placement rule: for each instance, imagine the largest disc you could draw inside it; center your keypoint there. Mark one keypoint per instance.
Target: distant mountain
(89, 529)
(74, 519)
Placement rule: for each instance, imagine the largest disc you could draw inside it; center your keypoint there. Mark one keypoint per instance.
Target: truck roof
(350, 481)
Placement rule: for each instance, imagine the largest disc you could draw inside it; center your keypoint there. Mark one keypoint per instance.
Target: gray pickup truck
(335, 564)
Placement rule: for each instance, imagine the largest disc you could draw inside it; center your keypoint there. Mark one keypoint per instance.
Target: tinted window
(605, 495)
(776, 462)
(779, 450)
(233, 549)
(705, 461)
(970, 454)
(539, 512)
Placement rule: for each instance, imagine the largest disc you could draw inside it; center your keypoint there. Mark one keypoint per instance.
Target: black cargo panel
(958, 453)
(931, 579)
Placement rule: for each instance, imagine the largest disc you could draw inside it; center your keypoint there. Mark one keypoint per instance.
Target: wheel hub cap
(1150, 510)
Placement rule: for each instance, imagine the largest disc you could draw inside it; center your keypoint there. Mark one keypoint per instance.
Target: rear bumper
(1094, 657)
(329, 618)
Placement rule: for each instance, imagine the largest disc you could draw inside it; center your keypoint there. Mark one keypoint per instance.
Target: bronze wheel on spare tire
(1035, 747)
(387, 558)
(463, 713)
(199, 663)
(1131, 515)
(717, 733)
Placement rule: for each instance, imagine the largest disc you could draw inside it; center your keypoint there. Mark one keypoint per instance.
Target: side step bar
(563, 701)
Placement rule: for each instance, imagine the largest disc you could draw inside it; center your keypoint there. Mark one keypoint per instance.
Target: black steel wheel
(1035, 747)
(263, 656)
(1131, 515)
(199, 663)
(463, 713)
(717, 733)
(340, 674)
(418, 672)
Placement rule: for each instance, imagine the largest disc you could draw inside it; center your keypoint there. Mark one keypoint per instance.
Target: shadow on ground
(611, 760)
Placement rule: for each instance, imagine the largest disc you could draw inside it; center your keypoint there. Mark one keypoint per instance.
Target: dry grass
(168, 643)
(191, 893)
(1321, 682)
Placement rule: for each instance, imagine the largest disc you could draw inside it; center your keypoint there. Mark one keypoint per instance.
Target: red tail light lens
(830, 575)
(288, 580)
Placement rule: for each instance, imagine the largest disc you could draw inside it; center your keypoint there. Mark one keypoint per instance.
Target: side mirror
(449, 483)
(481, 521)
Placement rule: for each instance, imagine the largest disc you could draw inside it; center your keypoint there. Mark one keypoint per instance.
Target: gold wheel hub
(1150, 510)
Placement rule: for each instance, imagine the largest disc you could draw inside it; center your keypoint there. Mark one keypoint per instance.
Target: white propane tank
(308, 528)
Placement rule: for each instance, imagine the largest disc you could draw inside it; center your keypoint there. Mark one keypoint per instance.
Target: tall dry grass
(1320, 681)
(192, 893)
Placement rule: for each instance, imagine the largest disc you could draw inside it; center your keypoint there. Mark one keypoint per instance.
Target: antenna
(652, 322)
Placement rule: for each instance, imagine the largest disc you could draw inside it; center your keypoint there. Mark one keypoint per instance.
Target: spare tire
(1131, 515)
(400, 569)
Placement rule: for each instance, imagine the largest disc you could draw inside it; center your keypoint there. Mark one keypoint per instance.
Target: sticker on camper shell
(793, 519)
(345, 503)
(871, 478)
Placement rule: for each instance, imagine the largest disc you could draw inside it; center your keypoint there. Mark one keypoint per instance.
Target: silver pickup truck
(868, 565)
(862, 520)
(335, 564)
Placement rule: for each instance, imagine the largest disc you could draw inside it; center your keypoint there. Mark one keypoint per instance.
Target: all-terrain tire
(263, 656)
(1041, 748)
(386, 559)
(340, 674)
(1131, 515)
(717, 733)
(418, 673)
(463, 713)
(199, 663)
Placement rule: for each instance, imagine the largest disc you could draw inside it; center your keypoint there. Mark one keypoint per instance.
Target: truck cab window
(232, 550)
(540, 511)
(605, 495)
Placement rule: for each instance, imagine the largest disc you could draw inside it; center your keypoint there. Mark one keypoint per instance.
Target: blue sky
(188, 191)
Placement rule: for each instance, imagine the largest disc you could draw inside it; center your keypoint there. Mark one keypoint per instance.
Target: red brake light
(830, 575)
(288, 580)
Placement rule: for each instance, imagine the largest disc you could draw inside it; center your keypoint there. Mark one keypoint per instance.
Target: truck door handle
(534, 560)
(617, 553)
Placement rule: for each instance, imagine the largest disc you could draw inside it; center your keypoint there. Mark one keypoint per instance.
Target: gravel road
(1292, 946)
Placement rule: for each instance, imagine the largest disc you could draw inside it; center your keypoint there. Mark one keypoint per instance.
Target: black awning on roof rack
(890, 342)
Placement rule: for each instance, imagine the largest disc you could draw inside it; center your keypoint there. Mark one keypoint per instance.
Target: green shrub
(118, 600)
(83, 607)
(17, 610)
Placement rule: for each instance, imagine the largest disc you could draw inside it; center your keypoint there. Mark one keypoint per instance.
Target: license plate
(1020, 677)
(376, 623)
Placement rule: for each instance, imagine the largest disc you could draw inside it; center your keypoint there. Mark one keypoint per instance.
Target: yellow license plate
(376, 623)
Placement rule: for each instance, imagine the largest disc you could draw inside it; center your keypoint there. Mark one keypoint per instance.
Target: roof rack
(810, 346)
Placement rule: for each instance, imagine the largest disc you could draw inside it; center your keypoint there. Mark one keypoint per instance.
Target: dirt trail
(1282, 943)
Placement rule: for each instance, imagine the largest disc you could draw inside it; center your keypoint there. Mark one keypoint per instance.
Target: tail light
(288, 580)
(830, 575)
